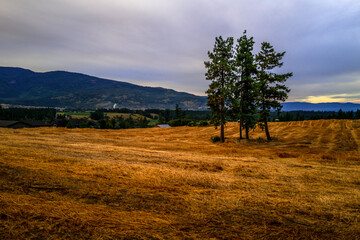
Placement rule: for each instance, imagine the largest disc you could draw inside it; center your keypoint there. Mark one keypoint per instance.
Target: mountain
(20, 86)
(304, 106)
(74, 90)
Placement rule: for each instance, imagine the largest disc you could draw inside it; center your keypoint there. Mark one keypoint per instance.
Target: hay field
(174, 183)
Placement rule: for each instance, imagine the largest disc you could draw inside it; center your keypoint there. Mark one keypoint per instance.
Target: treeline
(164, 114)
(102, 122)
(151, 117)
(317, 115)
(17, 114)
(98, 119)
(175, 118)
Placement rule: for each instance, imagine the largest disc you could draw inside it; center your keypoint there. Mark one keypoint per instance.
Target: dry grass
(175, 183)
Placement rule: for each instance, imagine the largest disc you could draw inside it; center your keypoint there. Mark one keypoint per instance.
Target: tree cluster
(17, 114)
(119, 122)
(103, 122)
(166, 114)
(244, 86)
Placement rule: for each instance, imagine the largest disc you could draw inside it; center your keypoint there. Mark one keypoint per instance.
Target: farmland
(86, 114)
(174, 183)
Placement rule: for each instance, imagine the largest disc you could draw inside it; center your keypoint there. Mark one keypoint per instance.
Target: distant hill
(74, 90)
(20, 86)
(304, 106)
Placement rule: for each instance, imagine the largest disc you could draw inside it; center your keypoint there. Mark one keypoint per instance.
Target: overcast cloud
(164, 43)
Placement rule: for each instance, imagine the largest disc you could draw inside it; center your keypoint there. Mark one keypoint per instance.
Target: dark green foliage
(357, 114)
(84, 124)
(179, 122)
(62, 123)
(203, 123)
(131, 122)
(221, 72)
(316, 115)
(60, 116)
(111, 123)
(102, 124)
(167, 115)
(143, 122)
(272, 89)
(340, 114)
(215, 139)
(45, 114)
(191, 114)
(97, 115)
(286, 117)
(244, 88)
(161, 119)
(178, 112)
(69, 125)
(123, 123)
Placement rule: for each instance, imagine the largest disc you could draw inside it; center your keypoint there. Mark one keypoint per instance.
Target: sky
(164, 43)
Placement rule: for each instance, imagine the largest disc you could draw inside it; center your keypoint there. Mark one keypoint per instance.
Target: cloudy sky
(165, 42)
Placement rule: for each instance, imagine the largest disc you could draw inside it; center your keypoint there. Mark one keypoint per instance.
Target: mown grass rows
(175, 183)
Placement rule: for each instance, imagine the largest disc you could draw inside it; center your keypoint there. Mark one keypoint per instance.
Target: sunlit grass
(175, 183)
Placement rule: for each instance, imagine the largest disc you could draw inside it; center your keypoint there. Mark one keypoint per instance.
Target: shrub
(69, 125)
(84, 124)
(175, 122)
(179, 122)
(203, 123)
(215, 139)
(191, 124)
(97, 115)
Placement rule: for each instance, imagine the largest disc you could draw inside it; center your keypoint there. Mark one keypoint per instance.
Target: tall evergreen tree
(244, 89)
(167, 115)
(178, 112)
(340, 114)
(357, 114)
(271, 85)
(220, 71)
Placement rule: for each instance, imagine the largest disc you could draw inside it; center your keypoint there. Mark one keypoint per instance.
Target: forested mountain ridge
(20, 86)
(75, 90)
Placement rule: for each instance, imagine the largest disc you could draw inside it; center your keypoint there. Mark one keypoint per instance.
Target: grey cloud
(164, 43)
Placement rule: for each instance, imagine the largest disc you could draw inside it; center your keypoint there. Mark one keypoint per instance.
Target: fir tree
(178, 112)
(357, 114)
(220, 71)
(244, 88)
(271, 85)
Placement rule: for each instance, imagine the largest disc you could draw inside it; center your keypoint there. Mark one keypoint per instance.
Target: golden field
(174, 183)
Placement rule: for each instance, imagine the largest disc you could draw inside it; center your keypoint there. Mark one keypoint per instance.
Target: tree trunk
(267, 129)
(265, 120)
(247, 131)
(240, 124)
(222, 122)
(222, 135)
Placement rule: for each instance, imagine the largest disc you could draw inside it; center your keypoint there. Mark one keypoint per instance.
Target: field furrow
(175, 183)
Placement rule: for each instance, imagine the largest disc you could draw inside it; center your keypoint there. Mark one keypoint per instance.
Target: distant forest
(151, 117)
(315, 115)
(17, 114)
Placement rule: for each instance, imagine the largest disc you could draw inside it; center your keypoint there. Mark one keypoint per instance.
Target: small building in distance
(163, 126)
(23, 124)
